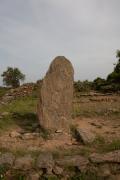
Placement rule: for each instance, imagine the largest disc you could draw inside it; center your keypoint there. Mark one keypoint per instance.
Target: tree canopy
(12, 77)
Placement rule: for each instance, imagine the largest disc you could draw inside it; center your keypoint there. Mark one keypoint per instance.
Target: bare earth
(104, 126)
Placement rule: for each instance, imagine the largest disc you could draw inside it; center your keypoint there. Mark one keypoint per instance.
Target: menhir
(56, 96)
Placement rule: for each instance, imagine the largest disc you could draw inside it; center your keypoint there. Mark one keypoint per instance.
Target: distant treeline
(13, 76)
(110, 84)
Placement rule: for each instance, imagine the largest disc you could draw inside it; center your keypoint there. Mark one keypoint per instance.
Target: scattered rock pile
(46, 165)
(12, 94)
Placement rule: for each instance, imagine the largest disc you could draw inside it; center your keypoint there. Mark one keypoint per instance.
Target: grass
(3, 170)
(82, 150)
(102, 146)
(86, 176)
(18, 175)
(97, 109)
(50, 177)
(114, 145)
(21, 113)
(22, 105)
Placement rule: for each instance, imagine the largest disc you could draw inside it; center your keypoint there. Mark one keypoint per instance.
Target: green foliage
(98, 83)
(3, 170)
(113, 78)
(21, 112)
(84, 86)
(45, 134)
(12, 77)
(112, 83)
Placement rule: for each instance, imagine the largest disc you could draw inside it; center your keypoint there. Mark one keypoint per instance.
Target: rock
(7, 158)
(56, 96)
(85, 136)
(57, 170)
(58, 131)
(45, 161)
(104, 171)
(15, 134)
(27, 136)
(111, 157)
(24, 163)
(76, 161)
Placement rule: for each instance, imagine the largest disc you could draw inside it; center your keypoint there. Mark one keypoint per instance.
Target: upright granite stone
(56, 96)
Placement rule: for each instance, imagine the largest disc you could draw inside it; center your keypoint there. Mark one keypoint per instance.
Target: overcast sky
(33, 32)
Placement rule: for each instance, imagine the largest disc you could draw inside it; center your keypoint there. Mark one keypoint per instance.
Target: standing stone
(56, 96)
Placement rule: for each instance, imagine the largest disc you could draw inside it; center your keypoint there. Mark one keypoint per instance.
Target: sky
(34, 32)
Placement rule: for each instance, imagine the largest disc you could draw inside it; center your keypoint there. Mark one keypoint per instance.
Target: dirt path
(105, 128)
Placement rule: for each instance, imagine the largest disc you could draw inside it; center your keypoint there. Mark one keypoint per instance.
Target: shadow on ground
(27, 121)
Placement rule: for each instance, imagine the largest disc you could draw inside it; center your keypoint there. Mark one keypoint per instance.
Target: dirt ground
(86, 117)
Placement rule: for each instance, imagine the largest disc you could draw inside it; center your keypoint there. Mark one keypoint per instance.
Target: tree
(117, 68)
(98, 83)
(12, 77)
(114, 77)
(83, 86)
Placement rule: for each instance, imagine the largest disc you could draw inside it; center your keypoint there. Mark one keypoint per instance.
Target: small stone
(28, 136)
(104, 170)
(111, 157)
(75, 161)
(85, 136)
(58, 131)
(45, 161)
(15, 134)
(7, 158)
(58, 170)
(24, 163)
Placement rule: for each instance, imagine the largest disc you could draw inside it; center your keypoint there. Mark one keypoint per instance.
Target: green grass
(3, 170)
(86, 176)
(114, 145)
(22, 105)
(22, 112)
(102, 146)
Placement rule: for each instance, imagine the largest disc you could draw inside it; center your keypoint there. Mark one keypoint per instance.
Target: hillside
(95, 115)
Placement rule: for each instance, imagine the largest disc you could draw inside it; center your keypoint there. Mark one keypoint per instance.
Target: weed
(99, 140)
(114, 145)
(86, 176)
(3, 170)
(52, 177)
